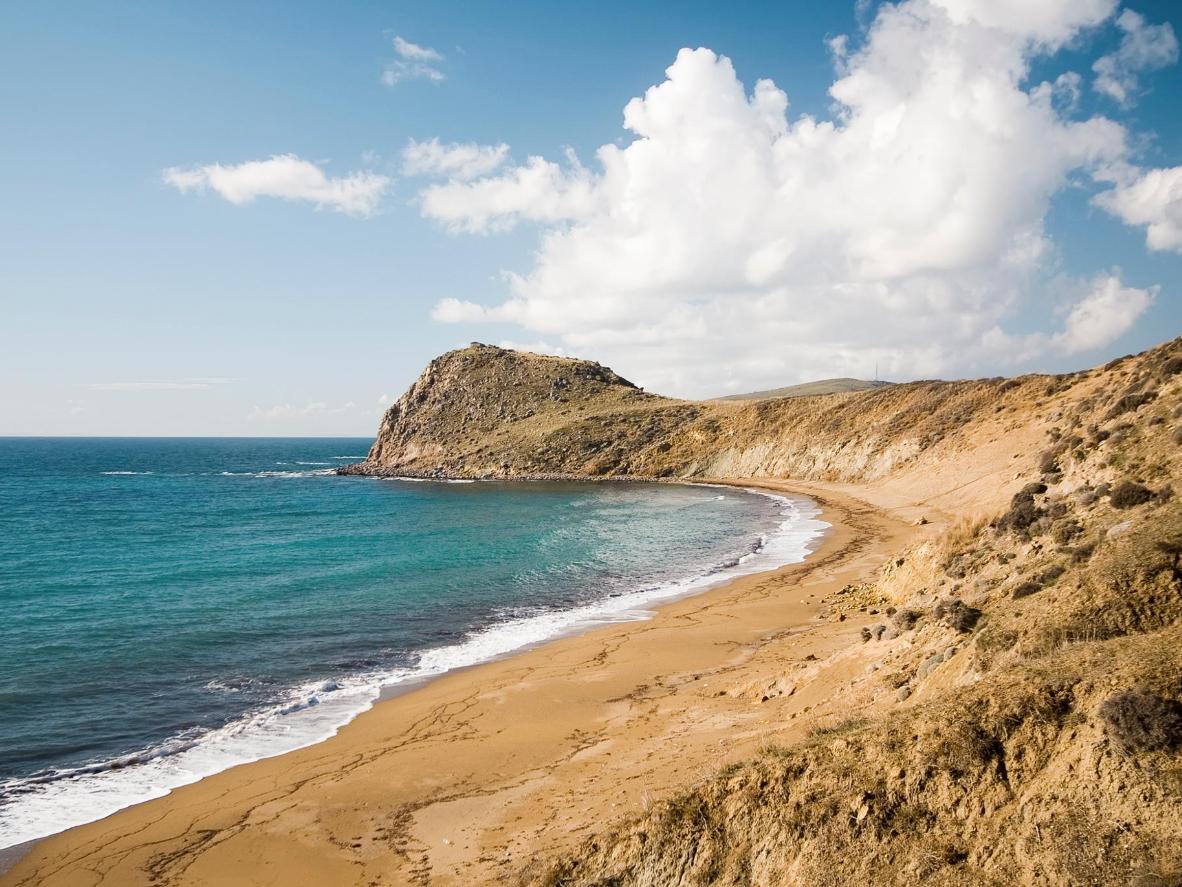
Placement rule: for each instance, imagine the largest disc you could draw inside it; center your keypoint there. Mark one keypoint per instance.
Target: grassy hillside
(810, 389)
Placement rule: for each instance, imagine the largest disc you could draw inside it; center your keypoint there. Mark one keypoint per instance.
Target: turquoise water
(173, 607)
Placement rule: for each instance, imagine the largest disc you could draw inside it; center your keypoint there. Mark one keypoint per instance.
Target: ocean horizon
(176, 606)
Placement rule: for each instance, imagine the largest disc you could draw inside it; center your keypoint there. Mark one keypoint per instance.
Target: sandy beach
(468, 778)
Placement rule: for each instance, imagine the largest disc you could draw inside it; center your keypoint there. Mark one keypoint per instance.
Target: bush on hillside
(1128, 494)
(956, 614)
(1139, 721)
(1129, 403)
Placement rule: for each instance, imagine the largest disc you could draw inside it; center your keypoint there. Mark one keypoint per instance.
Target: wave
(125, 473)
(430, 480)
(321, 472)
(50, 802)
(346, 457)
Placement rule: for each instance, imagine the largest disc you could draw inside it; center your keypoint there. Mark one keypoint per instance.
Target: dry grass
(1033, 768)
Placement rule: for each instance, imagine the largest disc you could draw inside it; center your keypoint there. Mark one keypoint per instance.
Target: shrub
(1023, 512)
(1083, 552)
(1171, 367)
(1128, 494)
(1066, 530)
(1026, 589)
(905, 619)
(1137, 721)
(1048, 462)
(956, 614)
(1051, 574)
(1129, 403)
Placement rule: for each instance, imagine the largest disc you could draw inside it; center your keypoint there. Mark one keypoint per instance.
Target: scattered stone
(1115, 532)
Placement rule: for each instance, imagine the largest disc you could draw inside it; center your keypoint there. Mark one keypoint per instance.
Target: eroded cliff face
(1027, 670)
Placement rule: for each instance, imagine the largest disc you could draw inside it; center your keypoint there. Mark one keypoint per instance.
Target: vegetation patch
(1139, 721)
(956, 614)
(1128, 494)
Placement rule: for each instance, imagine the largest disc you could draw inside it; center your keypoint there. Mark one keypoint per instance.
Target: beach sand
(468, 778)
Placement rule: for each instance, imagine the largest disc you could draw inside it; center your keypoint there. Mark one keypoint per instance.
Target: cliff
(1017, 712)
(1030, 658)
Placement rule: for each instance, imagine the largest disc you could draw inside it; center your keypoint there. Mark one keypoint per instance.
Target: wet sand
(467, 779)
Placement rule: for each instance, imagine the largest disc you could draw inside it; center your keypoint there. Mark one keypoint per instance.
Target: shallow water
(175, 606)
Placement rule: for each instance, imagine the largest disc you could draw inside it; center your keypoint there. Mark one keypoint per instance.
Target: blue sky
(132, 306)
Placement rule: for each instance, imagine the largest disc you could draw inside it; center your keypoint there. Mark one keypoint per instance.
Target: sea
(174, 607)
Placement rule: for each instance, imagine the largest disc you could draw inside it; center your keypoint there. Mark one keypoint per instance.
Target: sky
(266, 218)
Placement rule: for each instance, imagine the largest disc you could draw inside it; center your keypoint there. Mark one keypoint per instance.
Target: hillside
(810, 389)
(1015, 710)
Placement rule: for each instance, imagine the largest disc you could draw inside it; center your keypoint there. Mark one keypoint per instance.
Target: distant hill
(809, 389)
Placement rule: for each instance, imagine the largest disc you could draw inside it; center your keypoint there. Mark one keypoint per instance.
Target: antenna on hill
(876, 371)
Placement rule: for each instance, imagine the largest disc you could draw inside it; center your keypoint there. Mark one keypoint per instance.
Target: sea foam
(44, 804)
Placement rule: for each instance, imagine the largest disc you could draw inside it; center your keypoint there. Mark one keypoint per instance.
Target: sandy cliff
(1031, 653)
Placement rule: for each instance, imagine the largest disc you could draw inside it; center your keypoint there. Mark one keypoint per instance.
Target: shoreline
(850, 531)
(792, 540)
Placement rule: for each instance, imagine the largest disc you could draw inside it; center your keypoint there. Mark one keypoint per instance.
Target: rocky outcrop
(484, 411)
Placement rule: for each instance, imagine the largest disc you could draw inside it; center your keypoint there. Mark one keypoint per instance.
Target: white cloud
(1050, 23)
(1103, 315)
(1152, 198)
(196, 384)
(1143, 47)
(454, 161)
(284, 176)
(729, 245)
(538, 191)
(414, 62)
(415, 53)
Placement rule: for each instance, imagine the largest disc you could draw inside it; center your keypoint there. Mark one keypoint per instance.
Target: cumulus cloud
(1143, 47)
(283, 176)
(1109, 310)
(454, 161)
(414, 62)
(1152, 198)
(540, 190)
(1050, 23)
(728, 245)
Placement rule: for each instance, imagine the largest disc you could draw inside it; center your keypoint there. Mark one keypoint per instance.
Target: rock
(929, 665)
(1115, 532)
(902, 693)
